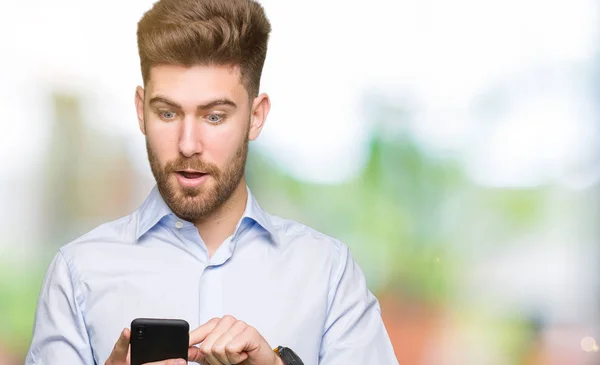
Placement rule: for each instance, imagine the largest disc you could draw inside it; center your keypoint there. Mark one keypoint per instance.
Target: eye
(167, 115)
(215, 118)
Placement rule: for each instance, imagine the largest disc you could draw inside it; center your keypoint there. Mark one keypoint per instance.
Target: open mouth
(190, 179)
(191, 174)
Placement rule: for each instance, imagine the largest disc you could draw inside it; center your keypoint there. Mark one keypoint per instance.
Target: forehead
(196, 84)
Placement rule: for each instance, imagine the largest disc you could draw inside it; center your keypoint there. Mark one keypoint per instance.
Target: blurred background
(453, 145)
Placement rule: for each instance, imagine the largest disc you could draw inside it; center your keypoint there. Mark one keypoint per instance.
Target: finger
(241, 345)
(202, 360)
(199, 334)
(219, 348)
(207, 346)
(195, 355)
(119, 352)
(168, 362)
(213, 361)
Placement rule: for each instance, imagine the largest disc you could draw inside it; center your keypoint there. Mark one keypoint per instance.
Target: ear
(260, 109)
(139, 107)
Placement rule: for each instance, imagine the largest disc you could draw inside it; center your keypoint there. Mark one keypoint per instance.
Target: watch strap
(288, 356)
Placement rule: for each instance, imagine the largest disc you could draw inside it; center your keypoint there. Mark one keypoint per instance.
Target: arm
(354, 331)
(59, 333)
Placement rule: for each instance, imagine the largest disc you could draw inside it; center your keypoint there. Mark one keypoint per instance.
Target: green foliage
(19, 289)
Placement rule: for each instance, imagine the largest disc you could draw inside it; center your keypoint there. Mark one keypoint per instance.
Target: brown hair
(205, 32)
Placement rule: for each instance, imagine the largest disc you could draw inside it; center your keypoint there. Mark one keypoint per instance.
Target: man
(200, 248)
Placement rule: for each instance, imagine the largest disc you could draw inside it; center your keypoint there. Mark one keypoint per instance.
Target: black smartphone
(157, 339)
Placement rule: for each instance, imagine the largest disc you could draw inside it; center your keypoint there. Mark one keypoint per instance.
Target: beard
(196, 203)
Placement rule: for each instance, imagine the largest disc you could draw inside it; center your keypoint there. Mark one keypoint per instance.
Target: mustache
(197, 164)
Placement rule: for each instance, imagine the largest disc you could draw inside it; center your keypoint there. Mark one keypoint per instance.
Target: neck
(215, 228)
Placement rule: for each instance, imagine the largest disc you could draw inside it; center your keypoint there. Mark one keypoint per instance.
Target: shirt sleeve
(354, 330)
(59, 332)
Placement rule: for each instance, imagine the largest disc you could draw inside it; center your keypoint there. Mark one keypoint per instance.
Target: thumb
(237, 358)
(119, 352)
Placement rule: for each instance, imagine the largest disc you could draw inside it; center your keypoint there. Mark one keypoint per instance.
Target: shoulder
(291, 231)
(116, 233)
(296, 236)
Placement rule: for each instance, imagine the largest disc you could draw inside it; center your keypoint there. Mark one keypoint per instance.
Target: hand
(227, 341)
(120, 353)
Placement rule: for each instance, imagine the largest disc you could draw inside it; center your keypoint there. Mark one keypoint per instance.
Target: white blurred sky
(322, 56)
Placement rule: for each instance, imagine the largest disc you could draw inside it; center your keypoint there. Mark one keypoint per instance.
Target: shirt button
(179, 224)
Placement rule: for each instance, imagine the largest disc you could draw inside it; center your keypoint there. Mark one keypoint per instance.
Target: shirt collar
(154, 209)
(151, 212)
(254, 212)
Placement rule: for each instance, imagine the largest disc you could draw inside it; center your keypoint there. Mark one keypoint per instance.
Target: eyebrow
(210, 104)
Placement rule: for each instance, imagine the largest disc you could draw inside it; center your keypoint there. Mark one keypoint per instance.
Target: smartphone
(157, 339)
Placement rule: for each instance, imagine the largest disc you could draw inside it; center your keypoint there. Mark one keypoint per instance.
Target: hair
(205, 33)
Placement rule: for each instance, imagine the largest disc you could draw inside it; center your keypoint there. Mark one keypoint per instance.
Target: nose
(190, 139)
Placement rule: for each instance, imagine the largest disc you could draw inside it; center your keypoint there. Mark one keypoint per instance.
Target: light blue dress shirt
(299, 288)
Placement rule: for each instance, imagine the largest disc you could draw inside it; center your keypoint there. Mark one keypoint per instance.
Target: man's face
(197, 123)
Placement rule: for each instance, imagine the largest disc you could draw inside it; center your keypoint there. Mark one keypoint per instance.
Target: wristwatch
(288, 356)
